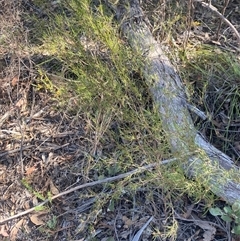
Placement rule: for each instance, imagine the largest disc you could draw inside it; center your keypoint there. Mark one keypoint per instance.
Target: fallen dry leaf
(15, 81)
(209, 230)
(53, 189)
(208, 235)
(3, 232)
(27, 205)
(127, 222)
(3, 170)
(21, 103)
(14, 231)
(30, 170)
(36, 219)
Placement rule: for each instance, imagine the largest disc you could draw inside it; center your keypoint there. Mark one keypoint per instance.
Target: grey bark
(199, 158)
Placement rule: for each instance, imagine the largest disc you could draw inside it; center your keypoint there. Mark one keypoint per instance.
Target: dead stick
(223, 12)
(90, 184)
(214, 9)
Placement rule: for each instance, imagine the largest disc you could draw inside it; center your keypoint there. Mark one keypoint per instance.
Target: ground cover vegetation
(75, 109)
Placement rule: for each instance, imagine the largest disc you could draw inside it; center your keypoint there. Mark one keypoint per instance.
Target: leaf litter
(52, 144)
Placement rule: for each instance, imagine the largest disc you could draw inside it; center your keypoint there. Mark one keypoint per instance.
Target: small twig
(223, 12)
(23, 148)
(196, 221)
(189, 22)
(5, 116)
(214, 9)
(90, 184)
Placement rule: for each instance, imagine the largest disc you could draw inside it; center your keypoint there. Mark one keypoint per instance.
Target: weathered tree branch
(214, 168)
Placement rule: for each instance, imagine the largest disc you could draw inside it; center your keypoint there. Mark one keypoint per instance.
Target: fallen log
(205, 162)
